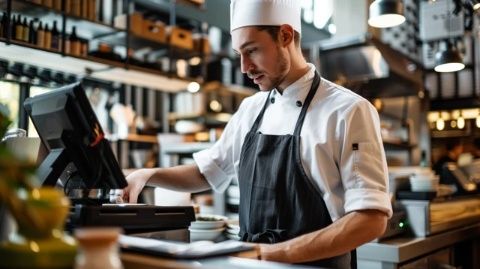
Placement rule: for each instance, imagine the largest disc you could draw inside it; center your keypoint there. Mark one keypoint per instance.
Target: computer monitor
(69, 129)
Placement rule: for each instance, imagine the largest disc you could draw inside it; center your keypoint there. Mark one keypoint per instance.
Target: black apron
(278, 201)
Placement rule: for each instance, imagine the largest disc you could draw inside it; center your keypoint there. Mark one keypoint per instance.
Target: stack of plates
(207, 227)
(424, 181)
(233, 229)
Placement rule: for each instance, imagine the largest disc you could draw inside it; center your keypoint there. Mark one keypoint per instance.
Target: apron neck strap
(306, 103)
(301, 117)
(256, 124)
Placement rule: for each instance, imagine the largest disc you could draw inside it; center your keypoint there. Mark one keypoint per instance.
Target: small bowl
(208, 222)
(202, 234)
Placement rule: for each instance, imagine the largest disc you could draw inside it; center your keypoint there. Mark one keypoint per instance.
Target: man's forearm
(186, 178)
(340, 237)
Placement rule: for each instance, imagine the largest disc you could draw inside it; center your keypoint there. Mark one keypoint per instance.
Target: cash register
(80, 161)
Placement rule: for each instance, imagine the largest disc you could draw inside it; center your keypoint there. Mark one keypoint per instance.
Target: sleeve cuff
(361, 199)
(215, 176)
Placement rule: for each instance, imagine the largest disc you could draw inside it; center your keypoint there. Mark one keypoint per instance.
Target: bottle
(55, 35)
(40, 40)
(75, 46)
(68, 7)
(423, 159)
(84, 9)
(84, 47)
(18, 28)
(3, 25)
(57, 5)
(47, 3)
(32, 34)
(76, 8)
(47, 42)
(26, 30)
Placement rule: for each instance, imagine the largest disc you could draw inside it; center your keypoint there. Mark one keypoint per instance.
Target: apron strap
(306, 104)
(259, 118)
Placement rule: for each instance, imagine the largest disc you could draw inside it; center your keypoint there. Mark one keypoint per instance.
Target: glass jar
(97, 248)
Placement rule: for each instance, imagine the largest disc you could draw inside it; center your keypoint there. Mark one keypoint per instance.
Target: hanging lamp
(448, 59)
(386, 13)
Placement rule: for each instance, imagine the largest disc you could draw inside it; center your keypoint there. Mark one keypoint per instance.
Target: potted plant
(39, 213)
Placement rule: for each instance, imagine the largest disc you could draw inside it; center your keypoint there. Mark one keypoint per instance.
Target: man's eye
(250, 51)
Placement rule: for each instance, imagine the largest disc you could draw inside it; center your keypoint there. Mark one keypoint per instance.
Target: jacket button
(299, 103)
(272, 100)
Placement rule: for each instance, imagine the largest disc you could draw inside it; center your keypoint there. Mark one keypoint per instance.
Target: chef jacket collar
(298, 90)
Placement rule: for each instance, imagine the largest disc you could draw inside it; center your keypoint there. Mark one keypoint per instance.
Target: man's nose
(246, 64)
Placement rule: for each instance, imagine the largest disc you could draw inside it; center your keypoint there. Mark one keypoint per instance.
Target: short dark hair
(273, 30)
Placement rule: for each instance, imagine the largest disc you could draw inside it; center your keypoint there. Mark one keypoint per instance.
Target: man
(305, 151)
(454, 150)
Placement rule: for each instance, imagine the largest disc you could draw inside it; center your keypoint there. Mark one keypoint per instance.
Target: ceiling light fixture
(448, 58)
(386, 13)
(476, 4)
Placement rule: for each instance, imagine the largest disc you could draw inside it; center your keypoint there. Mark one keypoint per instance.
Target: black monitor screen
(69, 129)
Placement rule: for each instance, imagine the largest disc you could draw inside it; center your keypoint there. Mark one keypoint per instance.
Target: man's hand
(136, 181)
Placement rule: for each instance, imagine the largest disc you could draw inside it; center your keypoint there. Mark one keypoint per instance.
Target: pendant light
(448, 58)
(386, 13)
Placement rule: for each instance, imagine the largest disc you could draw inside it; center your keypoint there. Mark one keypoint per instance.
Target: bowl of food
(208, 222)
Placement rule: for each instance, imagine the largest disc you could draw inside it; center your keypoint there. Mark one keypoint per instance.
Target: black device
(132, 218)
(69, 129)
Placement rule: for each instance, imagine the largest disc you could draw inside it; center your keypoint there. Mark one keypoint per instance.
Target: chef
(307, 153)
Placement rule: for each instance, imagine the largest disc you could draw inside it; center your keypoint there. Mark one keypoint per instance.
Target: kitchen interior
(163, 81)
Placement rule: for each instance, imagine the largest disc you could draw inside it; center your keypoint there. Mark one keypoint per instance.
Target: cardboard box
(136, 22)
(179, 37)
(154, 30)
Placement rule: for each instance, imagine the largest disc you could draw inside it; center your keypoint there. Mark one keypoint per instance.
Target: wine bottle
(84, 9)
(68, 6)
(55, 45)
(76, 8)
(75, 46)
(18, 28)
(57, 5)
(40, 35)
(47, 43)
(3, 25)
(47, 3)
(32, 34)
(26, 32)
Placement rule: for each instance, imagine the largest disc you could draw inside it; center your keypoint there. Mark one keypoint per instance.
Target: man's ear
(286, 34)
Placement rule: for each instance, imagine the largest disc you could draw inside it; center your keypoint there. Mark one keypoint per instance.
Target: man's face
(261, 57)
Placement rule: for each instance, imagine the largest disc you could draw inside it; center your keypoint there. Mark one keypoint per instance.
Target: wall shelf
(91, 66)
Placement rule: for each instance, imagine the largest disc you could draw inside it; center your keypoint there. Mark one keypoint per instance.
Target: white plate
(233, 236)
(219, 222)
(197, 235)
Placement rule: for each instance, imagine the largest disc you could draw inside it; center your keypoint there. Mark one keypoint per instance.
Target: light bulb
(440, 124)
(461, 122)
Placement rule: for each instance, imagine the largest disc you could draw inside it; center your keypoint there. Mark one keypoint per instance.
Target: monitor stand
(52, 167)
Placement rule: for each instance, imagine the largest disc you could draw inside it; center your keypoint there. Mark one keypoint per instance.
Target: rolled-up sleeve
(362, 159)
(217, 163)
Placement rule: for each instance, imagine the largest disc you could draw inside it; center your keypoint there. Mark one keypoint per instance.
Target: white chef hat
(265, 12)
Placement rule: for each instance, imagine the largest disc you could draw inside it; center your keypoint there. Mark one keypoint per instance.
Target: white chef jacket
(341, 146)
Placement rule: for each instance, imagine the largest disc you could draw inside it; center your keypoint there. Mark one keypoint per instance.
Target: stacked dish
(233, 229)
(207, 227)
(424, 181)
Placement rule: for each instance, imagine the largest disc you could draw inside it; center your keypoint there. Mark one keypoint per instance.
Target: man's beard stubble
(281, 72)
